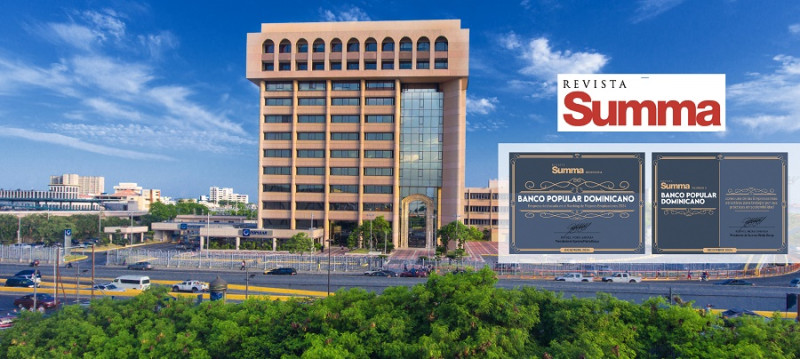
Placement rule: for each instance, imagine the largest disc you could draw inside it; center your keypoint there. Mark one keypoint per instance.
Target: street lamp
(329, 266)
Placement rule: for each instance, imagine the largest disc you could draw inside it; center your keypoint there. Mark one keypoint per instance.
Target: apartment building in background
(88, 186)
(217, 194)
(360, 120)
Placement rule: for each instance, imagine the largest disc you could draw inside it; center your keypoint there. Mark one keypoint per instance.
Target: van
(140, 282)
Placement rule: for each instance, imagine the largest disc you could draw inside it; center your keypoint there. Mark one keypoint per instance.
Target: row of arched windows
(353, 45)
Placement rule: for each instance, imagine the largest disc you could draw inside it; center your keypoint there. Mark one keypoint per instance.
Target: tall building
(87, 185)
(360, 120)
(216, 194)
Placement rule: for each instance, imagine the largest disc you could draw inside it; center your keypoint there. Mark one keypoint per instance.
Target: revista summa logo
(641, 103)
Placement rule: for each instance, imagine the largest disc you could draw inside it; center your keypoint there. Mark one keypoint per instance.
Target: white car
(193, 286)
(573, 277)
(622, 278)
(108, 287)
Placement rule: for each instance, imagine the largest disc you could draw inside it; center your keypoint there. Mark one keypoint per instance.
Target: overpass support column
(238, 241)
(274, 244)
(202, 243)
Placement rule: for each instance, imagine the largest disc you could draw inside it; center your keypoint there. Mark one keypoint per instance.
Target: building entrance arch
(417, 222)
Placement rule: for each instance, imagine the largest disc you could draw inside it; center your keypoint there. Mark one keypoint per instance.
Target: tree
(299, 243)
(8, 229)
(371, 231)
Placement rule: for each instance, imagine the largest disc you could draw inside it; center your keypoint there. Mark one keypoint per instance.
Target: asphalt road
(769, 293)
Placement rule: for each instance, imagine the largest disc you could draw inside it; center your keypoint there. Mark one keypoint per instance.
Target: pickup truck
(622, 278)
(573, 277)
(193, 286)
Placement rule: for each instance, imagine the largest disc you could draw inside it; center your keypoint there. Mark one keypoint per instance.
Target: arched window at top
(319, 46)
(370, 45)
(405, 44)
(269, 47)
(441, 44)
(336, 45)
(302, 46)
(285, 47)
(423, 44)
(387, 45)
(352, 45)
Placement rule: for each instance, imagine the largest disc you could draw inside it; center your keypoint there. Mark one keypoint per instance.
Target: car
(459, 271)
(622, 278)
(43, 301)
(7, 321)
(735, 282)
(32, 274)
(795, 283)
(372, 272)
(21, 282)
(414, 272)
(193, 286)
(108, 287)
(281, 271)
(141, 266)
(382, 273)
(388, 273)
(573, 277)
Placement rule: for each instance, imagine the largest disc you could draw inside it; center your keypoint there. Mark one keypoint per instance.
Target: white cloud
(794, 29)
(771, 99)
(545, 63)
(648, 9)
(156, 44)
(350, 14)
(482, 105)
(67, 141)
(487, 125)
(103, 97)
(106, 22)
(510, 41)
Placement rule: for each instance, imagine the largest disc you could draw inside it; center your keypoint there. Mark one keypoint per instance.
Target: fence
(230, 260)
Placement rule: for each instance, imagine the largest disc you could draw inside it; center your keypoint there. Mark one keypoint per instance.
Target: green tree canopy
(299, 243)
(452, 316)
(375, 234)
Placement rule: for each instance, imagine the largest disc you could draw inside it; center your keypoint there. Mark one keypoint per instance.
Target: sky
(155, 92)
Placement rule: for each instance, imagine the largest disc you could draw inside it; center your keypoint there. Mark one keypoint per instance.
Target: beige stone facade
(339, 140)
(481, 206)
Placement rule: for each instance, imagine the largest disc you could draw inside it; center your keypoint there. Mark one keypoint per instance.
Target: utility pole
(19, 229)
(92, 271)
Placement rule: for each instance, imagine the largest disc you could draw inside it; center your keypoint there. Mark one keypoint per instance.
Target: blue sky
(154, 92)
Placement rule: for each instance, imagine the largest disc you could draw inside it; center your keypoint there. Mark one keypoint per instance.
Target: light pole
(329, 267)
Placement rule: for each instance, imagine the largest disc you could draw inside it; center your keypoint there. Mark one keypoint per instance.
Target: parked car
(382, 273)
(7, 321)
(573, 277)
(372, 272)
(281, 271)
(414, 272)
(795, 283)
(141, 266)
(43, 301)
(735, 282)
(622, 278)
(193, 286)
(33, 274)
(21, 282)
(108, 287)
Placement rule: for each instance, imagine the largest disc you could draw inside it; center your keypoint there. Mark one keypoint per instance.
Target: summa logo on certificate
(641, 103)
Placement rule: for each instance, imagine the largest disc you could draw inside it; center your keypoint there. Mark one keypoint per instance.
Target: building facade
(481, 208)
(87, 185)
(216, 194)
(361, 120)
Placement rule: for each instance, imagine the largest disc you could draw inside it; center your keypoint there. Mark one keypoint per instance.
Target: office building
(87, 185)
(360, 120)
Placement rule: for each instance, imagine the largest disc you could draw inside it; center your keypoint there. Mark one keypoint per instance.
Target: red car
(43, 301)
(413, 272)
